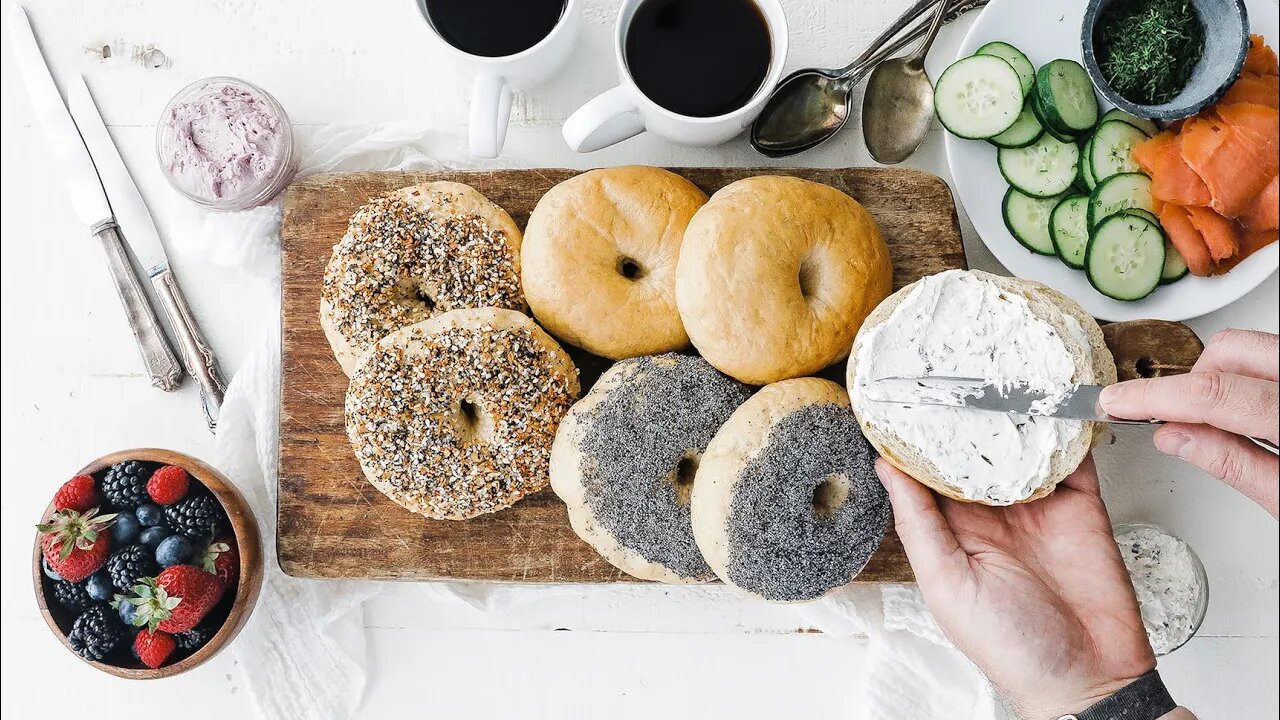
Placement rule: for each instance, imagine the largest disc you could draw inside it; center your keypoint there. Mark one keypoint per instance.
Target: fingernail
(1173, 443)
(1111, 394)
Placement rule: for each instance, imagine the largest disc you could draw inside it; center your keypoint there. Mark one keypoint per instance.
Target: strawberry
(168, 485)
(176, 599)
(154, 647)
(79, 493)
(75, 544)
(222, 559)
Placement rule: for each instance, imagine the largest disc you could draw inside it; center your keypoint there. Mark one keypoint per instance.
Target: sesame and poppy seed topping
(454, 417)
(415, 253)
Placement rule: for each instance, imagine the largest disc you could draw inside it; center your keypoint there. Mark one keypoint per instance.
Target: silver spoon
(897, 108)
(809, 106)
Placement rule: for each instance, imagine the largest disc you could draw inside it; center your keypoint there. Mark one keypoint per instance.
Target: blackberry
(130, 564)
(96, 633)
(195, 638)
(125, 484)
(71, 596)
(198, 517)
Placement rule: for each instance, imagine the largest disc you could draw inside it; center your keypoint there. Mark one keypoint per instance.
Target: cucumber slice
(1066, 97)
(1069, 229)
(1028, 220)
(1125, 257)
(1175, 268)
(1111, 150)
(1046, 168)
(1038, 109)
(1148, 127)
(1082, 168)
(1024, 131)
(1016, 59)
(1117, 193)
(978, 97)
(1086, 164)
(1146, 214)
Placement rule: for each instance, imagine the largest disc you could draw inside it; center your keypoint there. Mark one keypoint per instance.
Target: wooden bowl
(248, 542)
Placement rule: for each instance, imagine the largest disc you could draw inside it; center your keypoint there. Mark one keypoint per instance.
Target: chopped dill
(1147, 49)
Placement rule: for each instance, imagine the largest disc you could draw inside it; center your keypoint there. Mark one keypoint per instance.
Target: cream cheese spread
(1169, 582)
(958, 324)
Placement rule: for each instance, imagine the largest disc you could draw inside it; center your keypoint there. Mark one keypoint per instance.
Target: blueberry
(49, 572)
(99, 586)
(152, 536)
(127, 611)
(125, 530)
(174, 550)
(149, 515)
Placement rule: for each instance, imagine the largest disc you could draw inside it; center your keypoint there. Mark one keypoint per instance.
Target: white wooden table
(72, 389)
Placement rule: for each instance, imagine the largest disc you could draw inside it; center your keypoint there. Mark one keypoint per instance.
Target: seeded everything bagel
(412, 254)
(776, 275)
(625, 458)
(786, 503)
(599, 260)
(454, 416)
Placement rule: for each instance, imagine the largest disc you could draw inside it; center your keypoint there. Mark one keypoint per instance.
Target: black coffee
(700, 58)
(493, 28)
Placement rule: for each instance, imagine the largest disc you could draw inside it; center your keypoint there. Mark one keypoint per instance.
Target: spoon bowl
(898, 110)
(807, 107)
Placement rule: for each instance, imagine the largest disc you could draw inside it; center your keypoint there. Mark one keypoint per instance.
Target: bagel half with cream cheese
(1004, 330)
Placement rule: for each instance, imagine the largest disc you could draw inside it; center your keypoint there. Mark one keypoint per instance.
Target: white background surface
(72, 390)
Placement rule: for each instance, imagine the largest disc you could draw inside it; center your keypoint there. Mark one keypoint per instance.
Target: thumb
(931, 546)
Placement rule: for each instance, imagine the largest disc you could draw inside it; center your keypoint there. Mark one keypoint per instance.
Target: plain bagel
(786, 503)
(412, 254)
(599, 260)
(991, 327)
(776, 275)
(454, 416)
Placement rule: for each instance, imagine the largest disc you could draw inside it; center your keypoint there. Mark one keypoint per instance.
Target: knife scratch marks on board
(146, 55)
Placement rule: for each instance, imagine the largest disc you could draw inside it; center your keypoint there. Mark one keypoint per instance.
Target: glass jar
(1200, 600)
(225, 144)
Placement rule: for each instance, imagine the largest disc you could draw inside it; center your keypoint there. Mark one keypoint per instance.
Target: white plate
(1046, 31)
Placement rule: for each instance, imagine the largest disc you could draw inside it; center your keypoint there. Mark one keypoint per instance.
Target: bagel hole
(427, 301)
(630, 269)
(809, 276)
(682, 478)
(829, 495)
(475, 425)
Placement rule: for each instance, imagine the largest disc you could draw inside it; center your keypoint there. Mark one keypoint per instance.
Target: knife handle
(162, 365)
(197, 354)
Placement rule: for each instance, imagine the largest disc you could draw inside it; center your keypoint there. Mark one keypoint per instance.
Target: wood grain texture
(244, 527)
(332, 523)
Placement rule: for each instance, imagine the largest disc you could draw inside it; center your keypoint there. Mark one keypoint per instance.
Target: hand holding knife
(107, 201)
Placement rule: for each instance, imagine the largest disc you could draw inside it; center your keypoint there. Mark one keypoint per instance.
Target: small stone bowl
(1226, 42)
(248, 542)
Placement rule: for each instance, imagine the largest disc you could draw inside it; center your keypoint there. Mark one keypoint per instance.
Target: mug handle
(490, 114)
(606, 119)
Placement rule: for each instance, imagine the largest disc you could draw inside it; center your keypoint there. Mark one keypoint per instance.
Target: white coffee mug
(497, 78)
(624, 111)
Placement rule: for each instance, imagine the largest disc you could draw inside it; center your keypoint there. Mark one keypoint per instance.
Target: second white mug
(625, 111)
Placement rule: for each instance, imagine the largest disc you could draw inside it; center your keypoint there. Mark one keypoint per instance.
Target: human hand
(1035, 594)
(1229, 396)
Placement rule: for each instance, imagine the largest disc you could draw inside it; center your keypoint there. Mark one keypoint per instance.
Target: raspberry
(168, 485)
(79, 493)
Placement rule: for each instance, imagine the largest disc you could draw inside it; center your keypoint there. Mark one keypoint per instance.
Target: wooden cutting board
(334, 524)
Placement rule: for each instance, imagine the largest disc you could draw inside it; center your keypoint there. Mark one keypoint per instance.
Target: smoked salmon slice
(1250, 243)
(1234, 163)
(1220, 234)
(1264, 212)
(1263, 123)
(1186, 239)
(1172, 180)
(1254, 88)
(1260, 59)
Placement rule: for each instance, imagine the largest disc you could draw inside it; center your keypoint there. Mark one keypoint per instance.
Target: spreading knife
(1079, 402)
(139, 228)
(89, 201)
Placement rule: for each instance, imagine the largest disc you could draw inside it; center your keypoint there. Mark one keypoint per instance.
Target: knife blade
(84, 189)
(139, 228)
(89, 200)
(1069, 403)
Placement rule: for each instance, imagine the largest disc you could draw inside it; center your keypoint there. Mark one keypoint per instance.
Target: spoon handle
(907, 17)
(875, 54)
(917, 58)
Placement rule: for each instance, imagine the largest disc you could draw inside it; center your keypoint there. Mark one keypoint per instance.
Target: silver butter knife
(140, 230)
(89, 200)
(1078, 403)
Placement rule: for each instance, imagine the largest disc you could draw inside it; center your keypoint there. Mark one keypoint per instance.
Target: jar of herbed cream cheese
(225, 144)
(1170, 581)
